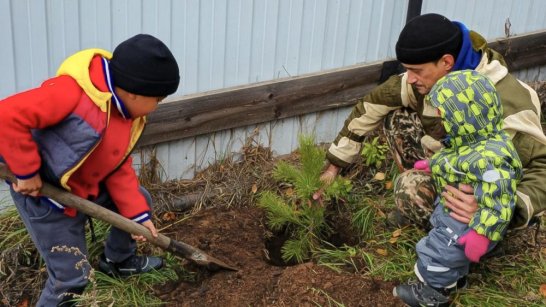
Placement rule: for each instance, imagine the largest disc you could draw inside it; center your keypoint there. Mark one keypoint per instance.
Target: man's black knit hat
(143, 65)
(427, 38)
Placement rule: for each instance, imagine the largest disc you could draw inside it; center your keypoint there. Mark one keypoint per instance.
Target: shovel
(176, 247)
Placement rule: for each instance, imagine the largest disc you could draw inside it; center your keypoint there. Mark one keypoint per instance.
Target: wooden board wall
(262, 102)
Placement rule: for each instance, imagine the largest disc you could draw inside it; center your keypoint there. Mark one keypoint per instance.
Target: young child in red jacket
(77, 131)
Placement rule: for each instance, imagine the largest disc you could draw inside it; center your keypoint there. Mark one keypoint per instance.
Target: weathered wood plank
(262, 102)
(219, 110)
(521, 52)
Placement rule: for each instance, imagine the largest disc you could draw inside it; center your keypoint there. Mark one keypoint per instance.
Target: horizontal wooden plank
(257, 103)
(522, 52)
(262, 102)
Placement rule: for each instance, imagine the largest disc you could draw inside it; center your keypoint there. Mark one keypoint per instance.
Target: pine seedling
(279, 213)
(305, 178)
(302, 219)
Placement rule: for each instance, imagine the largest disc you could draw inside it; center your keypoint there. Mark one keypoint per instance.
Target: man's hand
(327, 177)
(150, 225)
(29, 186)
(461, 202)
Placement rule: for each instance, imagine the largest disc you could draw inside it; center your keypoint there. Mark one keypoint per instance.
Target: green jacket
(478, 152)
(521, 121)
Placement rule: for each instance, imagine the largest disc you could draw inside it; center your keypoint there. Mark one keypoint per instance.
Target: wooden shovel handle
(96, 211)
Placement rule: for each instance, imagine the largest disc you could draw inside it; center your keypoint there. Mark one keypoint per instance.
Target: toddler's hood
(469, 106)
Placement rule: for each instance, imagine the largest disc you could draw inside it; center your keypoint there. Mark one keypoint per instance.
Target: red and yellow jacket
(68, 129)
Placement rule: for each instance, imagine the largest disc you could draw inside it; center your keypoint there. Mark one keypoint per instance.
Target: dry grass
(226, 183)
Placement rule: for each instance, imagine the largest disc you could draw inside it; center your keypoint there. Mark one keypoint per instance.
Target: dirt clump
(236, 235)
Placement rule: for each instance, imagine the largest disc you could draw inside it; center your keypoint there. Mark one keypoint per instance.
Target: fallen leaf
(289, 192)
(381, 251)
(254, 188)
(379, 176)
(543, 250)
(543, 290)
(393, 240)
(388, 185)
(23, 303)
(397, 233)
(169, 216)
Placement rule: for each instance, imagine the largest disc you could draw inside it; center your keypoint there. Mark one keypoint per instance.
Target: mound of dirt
(236, 236)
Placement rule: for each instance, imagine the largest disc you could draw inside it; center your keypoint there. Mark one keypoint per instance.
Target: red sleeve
(38, 108)
(124, 189)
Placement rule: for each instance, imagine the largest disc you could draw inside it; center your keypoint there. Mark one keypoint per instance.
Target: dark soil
(237, 236)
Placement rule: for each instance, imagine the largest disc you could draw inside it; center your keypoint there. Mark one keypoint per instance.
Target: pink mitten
(422, 165)
(475, 245)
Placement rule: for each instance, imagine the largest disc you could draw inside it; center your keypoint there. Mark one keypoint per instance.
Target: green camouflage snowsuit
(479, 153)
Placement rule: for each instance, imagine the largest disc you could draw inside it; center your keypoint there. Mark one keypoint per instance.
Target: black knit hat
(427, 38)
(143, 65)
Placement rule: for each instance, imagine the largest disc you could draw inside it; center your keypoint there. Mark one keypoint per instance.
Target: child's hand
(422, 165)
(29, 186)
(475, 245)
(150, 225)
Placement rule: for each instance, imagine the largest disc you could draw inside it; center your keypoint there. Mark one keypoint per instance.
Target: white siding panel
(532, 74)
(488, 17)
(190, 57)
(225, 43)
(5, 197)
(283, 136)
(30, 52)
(180, 159)
(8, 83)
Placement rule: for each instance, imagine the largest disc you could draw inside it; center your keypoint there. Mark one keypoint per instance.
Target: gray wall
(218, 43)
(224, 43)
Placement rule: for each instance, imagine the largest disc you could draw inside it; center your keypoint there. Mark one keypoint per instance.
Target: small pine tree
(302, 218)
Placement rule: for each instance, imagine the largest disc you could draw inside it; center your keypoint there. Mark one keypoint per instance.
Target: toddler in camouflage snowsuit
(479, 153)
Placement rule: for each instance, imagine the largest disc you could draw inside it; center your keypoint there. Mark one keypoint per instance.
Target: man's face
(424, 76)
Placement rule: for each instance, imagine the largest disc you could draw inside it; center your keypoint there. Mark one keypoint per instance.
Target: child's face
(138, 105)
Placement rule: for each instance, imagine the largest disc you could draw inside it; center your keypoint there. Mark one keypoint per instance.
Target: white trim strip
(116, 99)
(440, 269)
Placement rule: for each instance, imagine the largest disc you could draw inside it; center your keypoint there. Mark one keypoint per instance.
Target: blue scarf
(468, 58)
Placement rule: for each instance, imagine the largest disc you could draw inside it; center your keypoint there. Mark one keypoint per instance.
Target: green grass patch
(20, 264)
(133, 291)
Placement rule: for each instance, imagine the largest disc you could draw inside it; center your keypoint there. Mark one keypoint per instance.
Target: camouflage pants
(414, 191)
